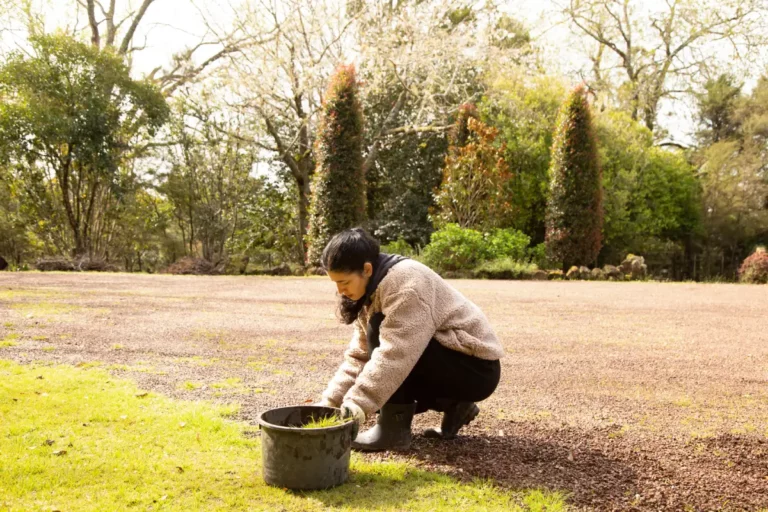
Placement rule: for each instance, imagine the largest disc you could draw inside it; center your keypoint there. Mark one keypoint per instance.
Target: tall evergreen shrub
(575, 212)
(338, 200)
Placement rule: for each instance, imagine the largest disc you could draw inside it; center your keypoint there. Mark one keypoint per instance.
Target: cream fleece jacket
(418, 305)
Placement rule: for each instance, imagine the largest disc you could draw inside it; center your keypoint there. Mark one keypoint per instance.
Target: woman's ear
(367, 269)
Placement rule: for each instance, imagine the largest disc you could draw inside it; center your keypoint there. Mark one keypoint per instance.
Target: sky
(172, 25)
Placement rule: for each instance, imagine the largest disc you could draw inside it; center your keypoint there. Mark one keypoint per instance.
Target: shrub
(506, 268)
(400, 247)
(338, 200)
(540, 256)
(508, 243)
(755, 268)
(473, 192)
(575, 211)
(55, 264)
(454, 248)
(194, 266)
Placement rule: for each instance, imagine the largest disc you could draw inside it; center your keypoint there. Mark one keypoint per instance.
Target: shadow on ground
(587, 477)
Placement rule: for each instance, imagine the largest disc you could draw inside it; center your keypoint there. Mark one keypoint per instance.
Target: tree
(717, 109)
(17, 241)
(71, 117)
(339, 184)
(524, 109)
(651, 197)
(734, 178)
(116, 25)
(209, 183)
(418, 59)
(651, 54)
(475, 177)
(575, 210)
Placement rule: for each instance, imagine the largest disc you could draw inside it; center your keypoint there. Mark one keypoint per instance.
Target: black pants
(443, 375)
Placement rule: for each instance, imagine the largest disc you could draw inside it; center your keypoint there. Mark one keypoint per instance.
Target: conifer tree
(338, 201)
(575, 211)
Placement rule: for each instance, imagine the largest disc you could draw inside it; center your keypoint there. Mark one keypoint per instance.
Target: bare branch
(95, 40)
(134, 24)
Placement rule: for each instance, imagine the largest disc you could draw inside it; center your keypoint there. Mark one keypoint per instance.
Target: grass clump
(333, 420)
(10, 340)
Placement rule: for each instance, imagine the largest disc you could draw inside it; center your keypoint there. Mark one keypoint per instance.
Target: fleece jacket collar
(380, 269)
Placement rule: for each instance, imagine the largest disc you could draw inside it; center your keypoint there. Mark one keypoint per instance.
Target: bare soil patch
(627, 396)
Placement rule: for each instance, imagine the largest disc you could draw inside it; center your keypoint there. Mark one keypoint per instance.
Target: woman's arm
(355, 358)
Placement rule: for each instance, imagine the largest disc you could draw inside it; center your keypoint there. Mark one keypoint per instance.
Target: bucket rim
(298, 430)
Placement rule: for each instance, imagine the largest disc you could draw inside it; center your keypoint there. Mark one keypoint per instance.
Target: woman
(418, 345)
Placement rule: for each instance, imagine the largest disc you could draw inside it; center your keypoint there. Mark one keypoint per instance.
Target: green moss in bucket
(334, 420)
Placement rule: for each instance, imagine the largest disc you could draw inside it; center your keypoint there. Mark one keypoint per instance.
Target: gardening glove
(352, 410)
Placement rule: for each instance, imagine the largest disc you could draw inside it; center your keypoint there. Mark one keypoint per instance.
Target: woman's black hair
(349, 251)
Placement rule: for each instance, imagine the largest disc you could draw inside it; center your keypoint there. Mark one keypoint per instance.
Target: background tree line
(219, 154)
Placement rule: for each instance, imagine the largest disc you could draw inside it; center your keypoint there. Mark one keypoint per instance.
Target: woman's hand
(352, 410)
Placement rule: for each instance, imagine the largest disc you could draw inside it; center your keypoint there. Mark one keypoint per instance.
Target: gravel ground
(625, 396)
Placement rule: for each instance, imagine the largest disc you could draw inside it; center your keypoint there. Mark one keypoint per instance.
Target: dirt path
(634, 396)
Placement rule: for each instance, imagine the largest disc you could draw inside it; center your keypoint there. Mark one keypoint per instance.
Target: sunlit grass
(83, 440)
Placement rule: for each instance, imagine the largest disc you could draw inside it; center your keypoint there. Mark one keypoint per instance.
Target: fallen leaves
(59, 453)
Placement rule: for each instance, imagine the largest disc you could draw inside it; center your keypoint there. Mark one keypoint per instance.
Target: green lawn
(79, 439)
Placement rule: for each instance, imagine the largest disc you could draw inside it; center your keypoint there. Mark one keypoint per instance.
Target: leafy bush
(455, 248)
(755, 268)
(473, 191)
(508, 243)
(506, 268)
(400, 247)
(539, 256)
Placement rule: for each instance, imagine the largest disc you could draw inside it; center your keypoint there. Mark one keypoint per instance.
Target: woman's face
(352, 284)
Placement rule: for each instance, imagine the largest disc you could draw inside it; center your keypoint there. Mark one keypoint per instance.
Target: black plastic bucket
(304, 458)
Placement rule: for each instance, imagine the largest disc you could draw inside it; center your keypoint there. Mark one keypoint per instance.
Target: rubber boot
(455, 416)
(391, 432)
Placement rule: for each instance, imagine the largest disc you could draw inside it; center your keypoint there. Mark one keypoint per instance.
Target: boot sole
(436, 433)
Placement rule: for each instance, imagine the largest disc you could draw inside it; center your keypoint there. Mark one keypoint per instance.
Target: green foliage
(754, 270)
(17, 240)
(338, 202)
(333, 420)
(71, 115)
(510, 33)
(525, 112)
(651, 195)
(218, 206)
(400, 246)
(504, 268)
(735, 187)
(400, 187)
(455, 248)
(143, 243)
(269, 228)
(507, 243)
(473, 193)
(717, 109)
(575, 211)
(539, 256)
